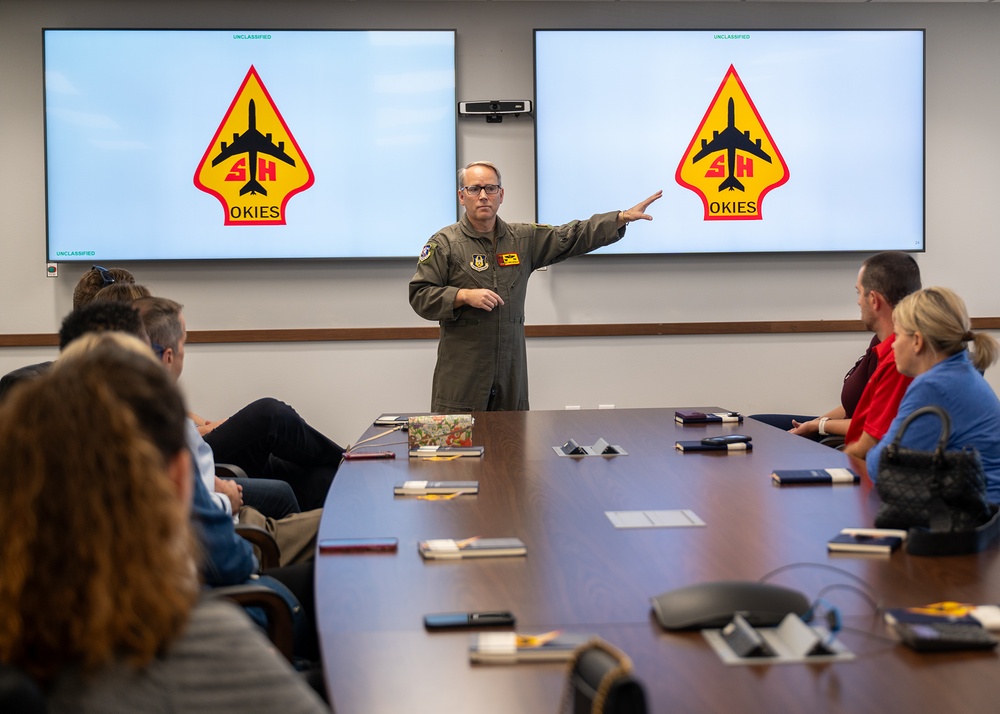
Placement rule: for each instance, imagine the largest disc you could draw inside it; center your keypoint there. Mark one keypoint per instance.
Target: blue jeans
(273, 498)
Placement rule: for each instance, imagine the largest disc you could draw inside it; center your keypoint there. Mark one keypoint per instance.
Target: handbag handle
(945, 428)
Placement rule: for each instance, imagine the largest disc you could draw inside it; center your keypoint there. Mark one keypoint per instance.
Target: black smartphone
(468, 620)
(358, 545)
(726, 439)
(364, 455)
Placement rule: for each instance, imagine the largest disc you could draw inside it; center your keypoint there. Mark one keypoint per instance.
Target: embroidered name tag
(508, 259)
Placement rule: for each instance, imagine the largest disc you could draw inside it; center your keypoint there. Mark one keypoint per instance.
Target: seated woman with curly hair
(99, 594)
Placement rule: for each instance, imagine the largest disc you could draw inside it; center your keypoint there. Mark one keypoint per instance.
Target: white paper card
(497, 642)
(654, 519)
(442, 545)
(841, 475)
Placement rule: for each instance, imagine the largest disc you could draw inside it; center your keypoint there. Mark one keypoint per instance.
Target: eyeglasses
(491, 189)
(106, 277)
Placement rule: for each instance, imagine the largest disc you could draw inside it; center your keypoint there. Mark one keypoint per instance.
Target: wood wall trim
(374, 334)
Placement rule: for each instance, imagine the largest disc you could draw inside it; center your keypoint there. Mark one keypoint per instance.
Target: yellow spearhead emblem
(732, 162)
(256, 173)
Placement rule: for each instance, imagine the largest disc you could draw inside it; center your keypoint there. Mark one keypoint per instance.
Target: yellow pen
(537, 640)
(948, 607)
(440, 496)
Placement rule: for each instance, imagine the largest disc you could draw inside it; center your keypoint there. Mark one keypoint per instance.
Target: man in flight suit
(472, 278)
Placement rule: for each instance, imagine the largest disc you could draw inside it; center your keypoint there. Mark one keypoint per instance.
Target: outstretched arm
(638, 211)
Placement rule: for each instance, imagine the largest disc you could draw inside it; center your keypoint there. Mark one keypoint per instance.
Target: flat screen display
(762, 141)
(173, 144)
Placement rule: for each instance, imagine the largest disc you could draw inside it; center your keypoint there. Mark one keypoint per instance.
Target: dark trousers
(268, 439)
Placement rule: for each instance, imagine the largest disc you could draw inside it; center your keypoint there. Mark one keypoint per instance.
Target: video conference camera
(494, 109)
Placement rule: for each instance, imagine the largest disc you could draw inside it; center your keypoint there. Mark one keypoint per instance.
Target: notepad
(787, 477)
(866, 540)
(511, 647)
(448, 549)
(702, 446)
(682, 416)
(423, 488)
(393, 420)
(948, 612)
(446, 451)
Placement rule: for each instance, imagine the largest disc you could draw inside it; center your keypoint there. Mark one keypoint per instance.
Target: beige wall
(341, 386)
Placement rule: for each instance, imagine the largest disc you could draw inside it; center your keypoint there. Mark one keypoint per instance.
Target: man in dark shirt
(883, 280)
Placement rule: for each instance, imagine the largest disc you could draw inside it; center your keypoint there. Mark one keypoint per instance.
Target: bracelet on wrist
(822, 426)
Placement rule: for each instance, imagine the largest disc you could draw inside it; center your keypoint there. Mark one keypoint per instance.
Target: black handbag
(942, 491)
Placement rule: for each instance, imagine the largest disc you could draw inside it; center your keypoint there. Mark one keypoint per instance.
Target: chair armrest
(834, 441)
(264, 542)
(229, 471)
(279, 617)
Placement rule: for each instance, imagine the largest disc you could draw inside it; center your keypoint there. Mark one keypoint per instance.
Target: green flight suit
(482, 360)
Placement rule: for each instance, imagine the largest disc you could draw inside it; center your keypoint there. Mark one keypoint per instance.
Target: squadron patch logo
(730, 171)
(479, 263)
(261, 168)
(505, 259)
(427, 252)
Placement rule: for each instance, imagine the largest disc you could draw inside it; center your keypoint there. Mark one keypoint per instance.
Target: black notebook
(861, 540)
(687, 416)
(787, 477)
(701, 446)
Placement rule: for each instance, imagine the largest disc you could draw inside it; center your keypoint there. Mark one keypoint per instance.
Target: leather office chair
(279, 617)
(834, 441)
(264, 544)
(275, 608)
(601, 682)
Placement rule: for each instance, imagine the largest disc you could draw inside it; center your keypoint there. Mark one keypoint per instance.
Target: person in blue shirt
(932, 329)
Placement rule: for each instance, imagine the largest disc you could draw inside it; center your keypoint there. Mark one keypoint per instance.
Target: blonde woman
(99, 594)
(933, 334)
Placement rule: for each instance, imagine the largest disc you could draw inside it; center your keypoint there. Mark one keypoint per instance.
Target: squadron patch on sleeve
(427, 252)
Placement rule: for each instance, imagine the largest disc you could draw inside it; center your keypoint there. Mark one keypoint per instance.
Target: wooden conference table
(581, 574)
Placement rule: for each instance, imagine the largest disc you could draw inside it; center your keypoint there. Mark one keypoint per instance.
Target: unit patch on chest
(505, 259)
(479, 263)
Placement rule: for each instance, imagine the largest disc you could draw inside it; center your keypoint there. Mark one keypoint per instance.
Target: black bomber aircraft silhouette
(252, 142)
(729, 140)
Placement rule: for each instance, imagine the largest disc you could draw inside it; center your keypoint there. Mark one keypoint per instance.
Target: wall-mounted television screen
(206, 144)
(762, 141)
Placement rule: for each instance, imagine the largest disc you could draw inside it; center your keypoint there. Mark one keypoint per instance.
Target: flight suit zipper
(499, 325)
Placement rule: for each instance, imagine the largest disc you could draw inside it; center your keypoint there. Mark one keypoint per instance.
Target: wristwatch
(822, 426)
